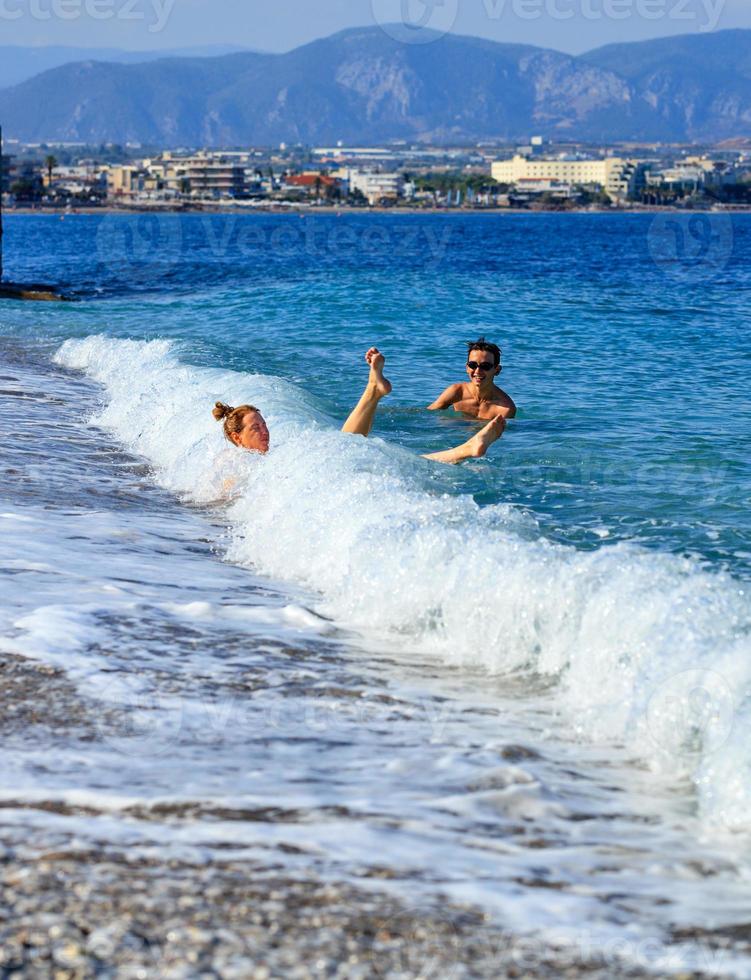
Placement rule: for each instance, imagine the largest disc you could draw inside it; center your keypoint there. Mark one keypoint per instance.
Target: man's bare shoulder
(505, 400)
(465, 400)
(448, 397)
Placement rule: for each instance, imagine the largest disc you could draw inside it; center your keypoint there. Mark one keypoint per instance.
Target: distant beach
(297, 209)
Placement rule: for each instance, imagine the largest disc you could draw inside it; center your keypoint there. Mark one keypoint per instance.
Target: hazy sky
(278, 25)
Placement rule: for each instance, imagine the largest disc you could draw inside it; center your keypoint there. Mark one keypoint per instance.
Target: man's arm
(451, 395)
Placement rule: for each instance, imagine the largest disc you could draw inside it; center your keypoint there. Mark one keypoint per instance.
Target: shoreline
(79, 907)
(65, 212)
(80, 913)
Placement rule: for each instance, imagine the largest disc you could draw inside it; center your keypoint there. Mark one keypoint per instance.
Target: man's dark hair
(488, 348)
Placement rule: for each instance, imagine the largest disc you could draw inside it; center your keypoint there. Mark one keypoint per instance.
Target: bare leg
(475, 447)
(360, 421)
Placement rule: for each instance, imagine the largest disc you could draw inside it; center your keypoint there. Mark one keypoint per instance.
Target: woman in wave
(247, 429)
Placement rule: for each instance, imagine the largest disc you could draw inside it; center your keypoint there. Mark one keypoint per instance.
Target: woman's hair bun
(221, 411)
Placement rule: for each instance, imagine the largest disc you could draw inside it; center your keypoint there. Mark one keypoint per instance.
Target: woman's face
(254, 434)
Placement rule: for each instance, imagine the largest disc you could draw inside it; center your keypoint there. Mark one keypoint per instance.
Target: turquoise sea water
(522, 683)
(630, 375)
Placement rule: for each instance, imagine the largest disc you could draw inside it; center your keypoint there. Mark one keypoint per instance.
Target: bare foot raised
(376, 360)
(479, 444)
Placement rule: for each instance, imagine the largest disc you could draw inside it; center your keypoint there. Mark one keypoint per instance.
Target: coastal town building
(76, 181)
(535, 147)
(200, 176)
(342, 153)
(376, 187)
(618, 177)
(398, 154)
(313, 184)
(532, 186)
(694, 173)
(126, 182)
(209, 176)
(164, 180)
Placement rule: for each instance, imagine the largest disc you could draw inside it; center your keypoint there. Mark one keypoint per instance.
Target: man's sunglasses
(481, 366)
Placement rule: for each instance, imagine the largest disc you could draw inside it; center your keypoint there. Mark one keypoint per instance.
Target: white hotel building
(374, 186)
(618, 177)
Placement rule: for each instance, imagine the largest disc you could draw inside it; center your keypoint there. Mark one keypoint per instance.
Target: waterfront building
(376, 186)
(201, 176)
(618, 177)
(211, 176)
(313, 184)
(164, 180)
(534, 186)
(84, 180)
(694, 173)
(126, 181)
(340, 153)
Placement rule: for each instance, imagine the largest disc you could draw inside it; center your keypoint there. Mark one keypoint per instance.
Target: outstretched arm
(475, 447)
(452, 394)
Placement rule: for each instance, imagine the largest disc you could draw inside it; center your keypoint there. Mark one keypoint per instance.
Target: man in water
(480, 397)
(246, 428)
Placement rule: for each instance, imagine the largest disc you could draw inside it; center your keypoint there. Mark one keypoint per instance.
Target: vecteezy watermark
(419, 943)
(415, 21)
(137, 718)
(691, 713)
(154, 13)
(436, 946)
(142, 248)
(580, 952)
(136, 715)
(706, 13)
(705, 479)
(691, 247)
(139, 247)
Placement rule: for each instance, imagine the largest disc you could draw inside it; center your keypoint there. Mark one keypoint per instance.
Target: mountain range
(17, 63)
(363, 85)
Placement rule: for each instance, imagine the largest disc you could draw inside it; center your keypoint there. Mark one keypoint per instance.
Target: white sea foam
(645, 647)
